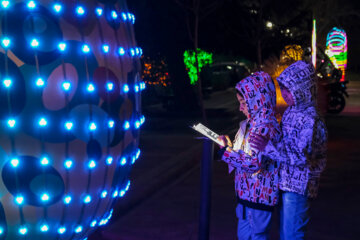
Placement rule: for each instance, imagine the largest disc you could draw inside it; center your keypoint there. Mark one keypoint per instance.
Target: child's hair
(238, 92)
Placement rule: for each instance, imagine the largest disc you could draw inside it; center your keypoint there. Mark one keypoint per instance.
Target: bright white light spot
(34, 43)
(68, 164)
(269, 25)
(67, 199)
(126, 88)
(111, 124)
(44, 161)
(86, 48)
(1, 231)
(137, 124)
(123, 161)
(106, 48)
(124, 16)
(80, 10)
(122, 193)
(66, 86)
(45, 197)
(126, 125)
(11, 123)
(109, 160)
(57, 7)
(31, 4)
(90, 87)
(69, 125)
(114, 15)
(78, 229)
(44, 228)
(92, 164)
(5, 4)
(110, 86)
(15, 162)
(23, 231)
(19, 200)
(7, 82)
(115, 194)
(136, 88)
(40, 82)
(121, 51)
(92, 126)
(93, 223)
(103, 194)
(132, 52)
(62, 46)
(42, 122)
(99, 11)
(61, 230)
(87, 199)
(5, 42)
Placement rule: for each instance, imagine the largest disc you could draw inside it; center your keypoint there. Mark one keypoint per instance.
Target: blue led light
(15, 162)
(115, 194)
(44, 228)
(31, 5)
(137, 124)
(87, 199)
(92, 164)
(138, 152)
(123, 15)
(85, 48)
(137, 51)
(80, 11)
(109, 160)
(67, 199)
(103, 194)
(57, 7)
(11, 123)
(133, 159)
(99, 11)
(132, 52)
(92, 126)
(111, 123)
(7, 82)
(5, 42)
(42, 122)
(78, 229)
(126, 88)
(129, 16)
(93, 223)
(19, 200)
(23, 230)
(90, 87)
(68, 164)
(114, 15)
(136, 88)
(123, 161)
(34, 43)
(121, 51)
(45, 197)
(44, 161)
(66, 86)
(40, 82)
(62, 230)
(1, 231)
(69, 125)
(106, 48)
(5, 4)
(142, 119)
(122, 193)
(126, 125)
(127, 186)
(110, 86)
(62, 46)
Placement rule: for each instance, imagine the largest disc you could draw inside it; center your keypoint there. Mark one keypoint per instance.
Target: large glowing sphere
(69, 115)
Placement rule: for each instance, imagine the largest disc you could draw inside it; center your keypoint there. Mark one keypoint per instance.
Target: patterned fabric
(302, 151)
(256, 176)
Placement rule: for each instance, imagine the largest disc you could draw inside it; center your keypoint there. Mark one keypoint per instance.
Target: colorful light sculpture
(70, 115)
(336, 49)
(313, 44)
(203, 58)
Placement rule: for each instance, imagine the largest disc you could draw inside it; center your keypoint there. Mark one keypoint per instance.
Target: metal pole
(205, 198)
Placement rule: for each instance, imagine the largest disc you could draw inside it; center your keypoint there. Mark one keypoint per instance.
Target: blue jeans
(253, 224)
(294, 216)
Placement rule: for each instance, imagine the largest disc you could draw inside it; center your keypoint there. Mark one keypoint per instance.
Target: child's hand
(225, 141)
(258, 142)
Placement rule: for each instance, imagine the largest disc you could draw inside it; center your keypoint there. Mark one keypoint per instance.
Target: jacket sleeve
(241, 160)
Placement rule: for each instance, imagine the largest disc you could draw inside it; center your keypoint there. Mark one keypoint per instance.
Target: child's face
(243, 106)
(286, 94)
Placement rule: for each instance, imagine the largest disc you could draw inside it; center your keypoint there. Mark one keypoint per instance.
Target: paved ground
(148, 213)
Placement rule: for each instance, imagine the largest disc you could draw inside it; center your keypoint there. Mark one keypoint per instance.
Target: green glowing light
(204, 58)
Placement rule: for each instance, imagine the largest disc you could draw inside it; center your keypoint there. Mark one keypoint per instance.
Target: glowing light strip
(313, 44)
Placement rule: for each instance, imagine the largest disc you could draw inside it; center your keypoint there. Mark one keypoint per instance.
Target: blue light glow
(122, 193)
(115, 194)
(1, 231)
(126, 125)
(136, 88)
(127, 186)
(5, 4)
(121, 51)
(103, 194)
(68, 164)
(85, 48)
(15, 162)
(129, 16)
(114, 14)
(34, 43)
(57, 7)
(138, 153)
(11, 123)
(7, 82)
(137, 124)
(67, 199)
(110, 86)
(62, 230)
(62, 46)
(132, 52)
(44, 228)
(92, 126)
(40, 82)
(19, 200)
(137, 51)
(44, 161)
(87, 199)
(23, 230)
(90, 87)
(31, 5)
(111, 123)
(69, 125)
(99, 11)
(93, 223)
(80, 11)
(142, 86)
(45, 197)
(142, 119)
(133, 159)
(124, 16)
(109, 160)
(126, 88)
(78, 229)
(106, 48)
(92, 164)
(123, 161)
(42, 122)
(5, 42)
(66, 86)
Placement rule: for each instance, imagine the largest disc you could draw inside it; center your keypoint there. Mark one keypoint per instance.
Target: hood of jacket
(299, 79)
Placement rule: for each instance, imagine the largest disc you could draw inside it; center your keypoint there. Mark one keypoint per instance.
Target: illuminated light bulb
(92, 126)
(57, 7)
(67, 200)
(85, 48)
(133, 160)
(87, 199)
(11, 123)
(80, 11)
(68, 164)
(42, 122)
(62, 46)
(138, 153)
(103, 194)
(44, 161)
(23, 230)
(93, 223)
(132, 52)
(141, 51)
(66, 86)
(31, 5)
(69, 125)
(15, 162)
(114, 14)
(122, 193)
(123, 15)
(110, 86)
(129, 16)
(126, 125)
(127, 186)
(34, 43)
(19, 200)
(126, 88)
(78, 229)
(137, 124)
(44, 228)
(115, 194)
(40, 82)
(106, 48)
(45, 197)
(7, 82)
(137, 51)
(142, 119)
(5, 4)
(111, 123)
(133, 18)
(99, 11)
(1, 231)
(90, 87)
(123, 161)
(109, 160)
(121, 51)
(136, 88)
(92, 164)
(5, 42)
(62, 230)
